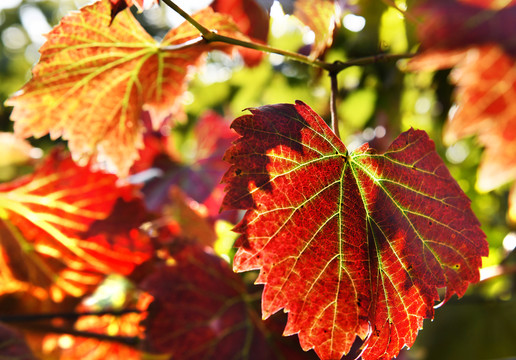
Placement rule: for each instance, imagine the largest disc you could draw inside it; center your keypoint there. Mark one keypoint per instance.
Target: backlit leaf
(200, 311)
(322, 17)
(199, 172)
(64, 227)
(95, 77)
(456, 24)
(349, 244)
(252, 19)
(477, 41)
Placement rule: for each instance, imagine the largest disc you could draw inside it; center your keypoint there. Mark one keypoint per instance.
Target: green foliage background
(374, 100)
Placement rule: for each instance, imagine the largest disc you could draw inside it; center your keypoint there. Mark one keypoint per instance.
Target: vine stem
(334, 67)
(494, 271)
(63, 315)
(132, 341)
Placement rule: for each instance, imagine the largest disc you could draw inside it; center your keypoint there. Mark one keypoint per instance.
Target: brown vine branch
(132, 341)
(65, 315)
(335, 67)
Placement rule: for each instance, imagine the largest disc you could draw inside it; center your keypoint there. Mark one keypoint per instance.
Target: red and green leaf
(349, 244)
(200, 311)
(64, 227)
(95, 77)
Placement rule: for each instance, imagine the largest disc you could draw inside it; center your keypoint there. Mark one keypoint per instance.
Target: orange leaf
(58, 232)
(15, 150)
(322, 17)
(475, 39)
(94, 78)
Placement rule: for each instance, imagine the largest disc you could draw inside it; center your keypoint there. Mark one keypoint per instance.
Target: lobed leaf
(475, 39)
(95, 77)
(204, 314)
(64, 227)
(349, 244)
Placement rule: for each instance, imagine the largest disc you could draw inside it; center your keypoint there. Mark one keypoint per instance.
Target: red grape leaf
(89, 348)
(13, 345)
(99, 77)
(191, 218)
(61, 228)
(252, 19)
(455, 24)
(200, 311)
(199, 175)
(349, 244)
(322, 17)
(485, 73)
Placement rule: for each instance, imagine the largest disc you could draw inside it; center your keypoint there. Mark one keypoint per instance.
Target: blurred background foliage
(376, 103)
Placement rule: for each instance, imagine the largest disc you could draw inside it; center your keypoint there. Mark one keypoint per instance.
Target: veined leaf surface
(95, 77)
(350, 244)
(64, 227)
(204, 314)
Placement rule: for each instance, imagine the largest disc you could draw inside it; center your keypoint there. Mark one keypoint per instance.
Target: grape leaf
(349, 244)
(252, 19)
(323, 18)
(200, 311)
(483, 53)
(456, 24)
(60, 228)
(199, 174)
(99, 76)
(89, 348)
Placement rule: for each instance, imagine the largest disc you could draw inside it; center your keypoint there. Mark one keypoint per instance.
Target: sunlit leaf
(349, 244)
(64, 227)
(200, 311)
(477, 41)
(252, 19)
(322, 17)
(95, 77)
(455, 24)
